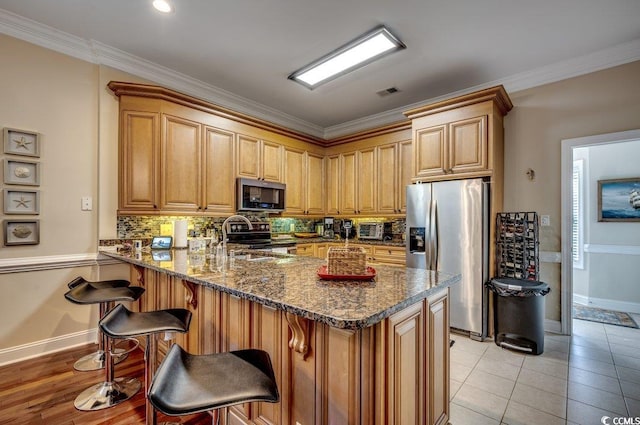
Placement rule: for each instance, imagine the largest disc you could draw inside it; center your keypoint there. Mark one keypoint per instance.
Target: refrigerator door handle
(433, 236)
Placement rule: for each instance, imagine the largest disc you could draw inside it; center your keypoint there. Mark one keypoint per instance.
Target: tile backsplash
(143, 227)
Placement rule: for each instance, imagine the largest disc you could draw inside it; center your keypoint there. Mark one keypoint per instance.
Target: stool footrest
(95, 360)
(121, 352)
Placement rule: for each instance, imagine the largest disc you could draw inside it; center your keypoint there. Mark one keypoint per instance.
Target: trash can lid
(519, 284)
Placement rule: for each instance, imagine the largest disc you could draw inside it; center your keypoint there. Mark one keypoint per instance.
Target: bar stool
(123, 323)
(111, 391)
(95, 360)
(187, 383)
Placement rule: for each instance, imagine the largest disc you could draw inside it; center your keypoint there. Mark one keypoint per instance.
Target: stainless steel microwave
(260, 195)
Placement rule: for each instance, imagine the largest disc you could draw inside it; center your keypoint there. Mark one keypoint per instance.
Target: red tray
(322, 272)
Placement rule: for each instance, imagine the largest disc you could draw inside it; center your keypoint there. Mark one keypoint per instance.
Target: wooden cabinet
(454, 148)
(304, 177)
(139, 162)
(305, 249)
(437, 344)
(460, 137)
(333, 192)
(394, 173)
(218, 171)
(351, 183)
(180, 162)
(259, 159)
(405, 366)
(388, 255)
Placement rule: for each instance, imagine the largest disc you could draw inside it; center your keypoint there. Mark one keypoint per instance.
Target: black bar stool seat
(113, 390)
(95, 360)
(123, 323)
(187, 383)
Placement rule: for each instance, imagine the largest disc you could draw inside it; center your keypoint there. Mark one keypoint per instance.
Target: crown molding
(98, 53)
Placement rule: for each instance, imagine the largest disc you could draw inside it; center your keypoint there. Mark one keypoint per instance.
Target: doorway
(576, 236)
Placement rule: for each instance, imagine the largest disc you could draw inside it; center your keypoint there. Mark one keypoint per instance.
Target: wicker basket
(345, 261)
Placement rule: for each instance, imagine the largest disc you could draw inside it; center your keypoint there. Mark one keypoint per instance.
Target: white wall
(612, 278)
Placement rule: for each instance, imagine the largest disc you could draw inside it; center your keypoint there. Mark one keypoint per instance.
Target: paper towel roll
(180, 234)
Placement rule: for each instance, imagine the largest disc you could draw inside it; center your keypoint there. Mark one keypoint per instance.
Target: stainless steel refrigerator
(447, 229)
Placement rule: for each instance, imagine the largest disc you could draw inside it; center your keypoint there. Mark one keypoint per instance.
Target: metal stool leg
(95, 360)
(112, 391)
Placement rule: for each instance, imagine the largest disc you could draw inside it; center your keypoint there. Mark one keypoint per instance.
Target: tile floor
(577, 380)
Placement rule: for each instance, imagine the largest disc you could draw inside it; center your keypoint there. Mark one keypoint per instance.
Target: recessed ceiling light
(361, 51)
(162, 6)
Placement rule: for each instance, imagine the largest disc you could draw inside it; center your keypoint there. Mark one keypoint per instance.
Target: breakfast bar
(343, 351)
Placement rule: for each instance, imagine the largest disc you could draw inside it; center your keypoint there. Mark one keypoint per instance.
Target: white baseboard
(580, 299)
(553, 326)
(625, 306)
(46, 346)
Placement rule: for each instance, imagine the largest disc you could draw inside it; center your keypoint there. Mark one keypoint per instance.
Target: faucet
(225, 224)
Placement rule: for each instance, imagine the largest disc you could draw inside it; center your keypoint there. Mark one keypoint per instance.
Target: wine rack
(517, 244)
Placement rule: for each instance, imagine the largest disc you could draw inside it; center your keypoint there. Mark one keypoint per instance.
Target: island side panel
(437, 339)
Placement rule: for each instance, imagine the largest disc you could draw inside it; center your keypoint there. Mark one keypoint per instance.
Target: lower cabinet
(393, 373)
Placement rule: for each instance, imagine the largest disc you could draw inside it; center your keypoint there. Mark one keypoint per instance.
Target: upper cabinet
(219, 182)
(139, 163)
(304, 177)
(259, 159)
(460, 137)
(394, 174)
(372, 179)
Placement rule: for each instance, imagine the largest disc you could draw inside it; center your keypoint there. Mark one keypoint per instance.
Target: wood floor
(41, 391)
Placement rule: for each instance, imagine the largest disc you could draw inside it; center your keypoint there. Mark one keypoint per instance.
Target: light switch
(87, 203)
(545, 220)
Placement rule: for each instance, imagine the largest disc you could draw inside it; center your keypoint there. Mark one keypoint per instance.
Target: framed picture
(21, 201)
(21, 142)
(21, 172)
(619, 199)
(21, 232)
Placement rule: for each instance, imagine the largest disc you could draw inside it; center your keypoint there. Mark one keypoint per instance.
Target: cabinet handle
(155, 206)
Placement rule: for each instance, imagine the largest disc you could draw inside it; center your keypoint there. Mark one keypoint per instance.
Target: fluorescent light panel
(365, 49)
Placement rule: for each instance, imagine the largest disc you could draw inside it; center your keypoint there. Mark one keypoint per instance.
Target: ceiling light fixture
(361, 51)
(162, 6)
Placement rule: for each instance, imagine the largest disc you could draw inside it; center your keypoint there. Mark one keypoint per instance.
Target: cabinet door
(438, 370)
(406, 366)
(333, 185)
(468, 145)
(321, 250)
(271, 162)
(305, 249)
(405, 173)
(294, 178)
(139, 160)
(431, 151)
(366, 188)
(348, 183)
(248, 158)
(315, 184)
(218, 171)
(181, 165)
(387, 178)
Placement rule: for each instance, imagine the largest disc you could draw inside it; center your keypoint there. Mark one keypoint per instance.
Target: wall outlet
(292, 227)
(87, 203)
(545, 220)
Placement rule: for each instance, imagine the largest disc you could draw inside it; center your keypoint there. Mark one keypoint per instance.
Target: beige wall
(58, 96)
(602, 102)
(66, 100)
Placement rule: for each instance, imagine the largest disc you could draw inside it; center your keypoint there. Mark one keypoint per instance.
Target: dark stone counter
(290, 283)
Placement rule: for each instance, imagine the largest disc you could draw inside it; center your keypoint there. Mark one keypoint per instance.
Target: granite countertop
(290, 283)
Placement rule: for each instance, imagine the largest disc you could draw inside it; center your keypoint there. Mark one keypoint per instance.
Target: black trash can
(518, 313)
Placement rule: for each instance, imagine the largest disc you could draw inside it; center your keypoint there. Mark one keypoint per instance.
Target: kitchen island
(344, 352)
